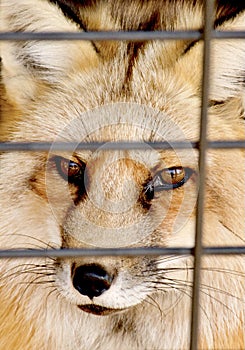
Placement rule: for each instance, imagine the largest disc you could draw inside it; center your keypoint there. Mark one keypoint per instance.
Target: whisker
(231, 231)
(155, 304)
(46, 244)
(182, 290)
(31, 269)
(161, 271)
(169, 258)
(32, 282)
(189, 284)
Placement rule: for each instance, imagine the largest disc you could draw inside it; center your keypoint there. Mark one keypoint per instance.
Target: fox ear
(228, 55)
(35, 63)
(227, 10)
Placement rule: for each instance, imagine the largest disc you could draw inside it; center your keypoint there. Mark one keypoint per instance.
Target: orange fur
(119, 91)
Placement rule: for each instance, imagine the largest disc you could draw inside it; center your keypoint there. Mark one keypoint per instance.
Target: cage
(203, 145)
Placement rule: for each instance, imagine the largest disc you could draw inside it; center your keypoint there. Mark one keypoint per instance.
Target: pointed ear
(228, 55)
(28, 66)
(226, 9)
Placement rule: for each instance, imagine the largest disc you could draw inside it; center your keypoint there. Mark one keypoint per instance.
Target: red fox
(116, 91)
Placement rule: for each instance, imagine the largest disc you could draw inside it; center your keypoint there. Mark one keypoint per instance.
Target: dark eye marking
(213, 103)
(70, 11)
(167, 179)
(189, 46)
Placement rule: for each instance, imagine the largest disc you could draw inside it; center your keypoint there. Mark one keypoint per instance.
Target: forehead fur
(148, 14)
(165, 75)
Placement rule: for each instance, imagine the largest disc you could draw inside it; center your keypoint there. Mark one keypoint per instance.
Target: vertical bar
(198, 250)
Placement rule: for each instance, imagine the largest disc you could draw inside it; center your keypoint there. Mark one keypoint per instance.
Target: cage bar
(198, 251)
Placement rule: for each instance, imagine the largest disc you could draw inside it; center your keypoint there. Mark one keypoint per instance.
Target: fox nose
(91, 280)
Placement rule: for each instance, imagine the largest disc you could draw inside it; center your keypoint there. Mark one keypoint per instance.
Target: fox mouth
(98, 310)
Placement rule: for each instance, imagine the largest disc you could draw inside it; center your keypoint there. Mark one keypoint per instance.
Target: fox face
(107, 92)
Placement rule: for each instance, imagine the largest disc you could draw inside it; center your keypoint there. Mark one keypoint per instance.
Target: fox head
(116, 91)
(65, 84)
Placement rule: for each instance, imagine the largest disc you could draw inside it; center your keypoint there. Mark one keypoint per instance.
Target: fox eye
(167, 179)
(70, 170)
(171, 178)
(173, 175)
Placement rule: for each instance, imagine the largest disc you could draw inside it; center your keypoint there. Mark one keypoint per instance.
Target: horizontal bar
(226, 144)
(216, 34)
(103, 35)
(223, 250)
(71, 146)
(129, 252)
(120, 35)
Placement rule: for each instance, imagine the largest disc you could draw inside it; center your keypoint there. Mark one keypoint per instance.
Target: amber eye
(70, 170)
(171, 178)
(173, 175)
(167, 179)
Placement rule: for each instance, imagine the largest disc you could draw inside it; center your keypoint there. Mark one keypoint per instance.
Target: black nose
(91, 280)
